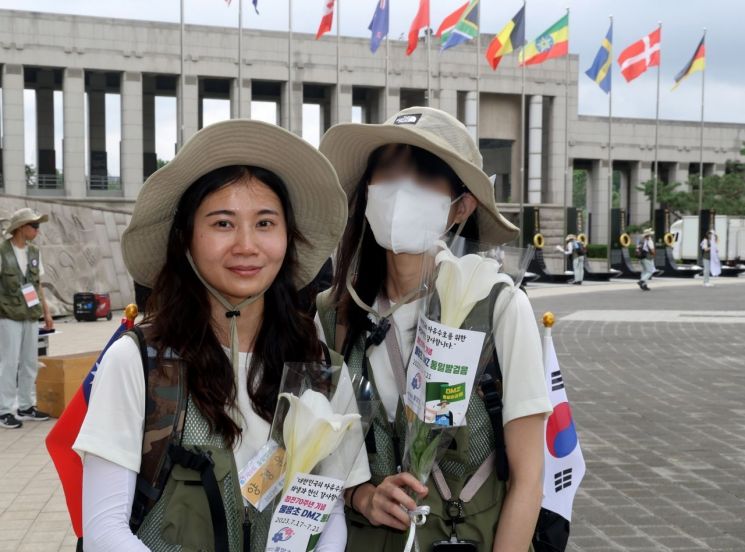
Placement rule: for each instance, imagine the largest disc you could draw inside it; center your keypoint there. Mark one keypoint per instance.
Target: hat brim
(348, 146)
(23, 222)
(318, 202)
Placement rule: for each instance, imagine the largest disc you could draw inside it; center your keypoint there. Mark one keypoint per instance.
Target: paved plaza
(657, 386)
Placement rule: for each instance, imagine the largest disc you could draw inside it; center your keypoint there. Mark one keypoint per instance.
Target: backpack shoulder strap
(165, 414)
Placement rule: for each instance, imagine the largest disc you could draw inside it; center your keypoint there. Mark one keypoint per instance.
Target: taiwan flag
(62, 436)
(564, 465)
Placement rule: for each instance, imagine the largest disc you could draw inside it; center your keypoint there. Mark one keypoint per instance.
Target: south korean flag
(564, 465)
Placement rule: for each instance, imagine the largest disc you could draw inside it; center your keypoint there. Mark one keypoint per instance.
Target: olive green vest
(12, 303)
(180, 521)
(473, 444)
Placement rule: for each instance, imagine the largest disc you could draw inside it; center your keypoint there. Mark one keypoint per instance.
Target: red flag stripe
(451, 20)
(420, 21)
(327, 20)
(640, 56)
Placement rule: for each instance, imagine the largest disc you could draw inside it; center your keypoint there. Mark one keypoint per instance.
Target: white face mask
(406, 218)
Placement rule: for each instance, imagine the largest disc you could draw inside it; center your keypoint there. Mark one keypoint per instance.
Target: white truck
(729, 229)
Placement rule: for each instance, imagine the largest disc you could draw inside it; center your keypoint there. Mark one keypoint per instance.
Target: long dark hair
(179, 314)
(369, 268)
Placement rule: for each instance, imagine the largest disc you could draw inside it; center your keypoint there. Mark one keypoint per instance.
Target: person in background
(646, 252)
(576, 249)
(712, 265)
(22, 303)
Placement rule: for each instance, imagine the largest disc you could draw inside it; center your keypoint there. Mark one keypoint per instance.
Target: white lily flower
(463, 282)
(312, 431)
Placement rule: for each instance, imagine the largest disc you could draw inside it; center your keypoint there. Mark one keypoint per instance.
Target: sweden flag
(600, 71)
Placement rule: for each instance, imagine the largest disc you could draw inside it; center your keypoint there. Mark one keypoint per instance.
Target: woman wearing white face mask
(409, 180)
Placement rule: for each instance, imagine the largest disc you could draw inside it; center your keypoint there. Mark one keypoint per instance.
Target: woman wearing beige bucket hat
(225, 234)
(409, 180)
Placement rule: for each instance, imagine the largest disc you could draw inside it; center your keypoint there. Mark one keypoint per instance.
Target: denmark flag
(640, 56)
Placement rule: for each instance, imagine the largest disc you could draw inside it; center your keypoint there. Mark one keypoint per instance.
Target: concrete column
(599, 201)
(14, 165)
(190, 97)
(449, 101)
(245, 99)
(296, 101)
(535, 149)
(46, 162)
(557, 162)
(132, 134)
(97, 126)
(341, 97)
(679, 174)
(73, 143)
(149, 156)
(394, 101)
(641, 172)
(471, 111)
(624, 191)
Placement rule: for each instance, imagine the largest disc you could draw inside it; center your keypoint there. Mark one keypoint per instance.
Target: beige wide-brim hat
(22, 217)
(348, 146)
(648, 232)
(570, 237)
(318, 202)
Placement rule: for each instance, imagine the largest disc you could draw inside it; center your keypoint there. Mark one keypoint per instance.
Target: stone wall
(80, 249)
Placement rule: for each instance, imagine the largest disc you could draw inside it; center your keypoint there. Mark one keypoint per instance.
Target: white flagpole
(338, 60)
(656, 137)
(701, 151)
(240, 59)
(521, 217)
(610, 147)
(387, 63)
(566, 137)
(478, 74)
(289, 67)
(180, 140)
(429, 58)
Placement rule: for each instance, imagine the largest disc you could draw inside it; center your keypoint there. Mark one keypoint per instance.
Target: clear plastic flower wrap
(316, 443)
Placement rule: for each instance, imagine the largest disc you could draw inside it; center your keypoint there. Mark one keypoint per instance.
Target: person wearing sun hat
(408, 181)
(646, 257)
(22, 303)
(575, 248)
(225, 234)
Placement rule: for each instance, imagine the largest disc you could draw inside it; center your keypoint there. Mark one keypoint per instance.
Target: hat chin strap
(231, 311)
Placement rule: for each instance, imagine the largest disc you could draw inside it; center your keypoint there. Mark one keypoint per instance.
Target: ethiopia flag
(511, 37)
(552, 43)
(697, 63)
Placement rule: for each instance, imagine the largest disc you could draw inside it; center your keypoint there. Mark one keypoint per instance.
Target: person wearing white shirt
(409, 181)
(225, 235)
(647, 254)
(22, 303)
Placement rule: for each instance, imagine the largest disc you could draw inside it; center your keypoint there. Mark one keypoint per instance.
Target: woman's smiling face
(240, 238)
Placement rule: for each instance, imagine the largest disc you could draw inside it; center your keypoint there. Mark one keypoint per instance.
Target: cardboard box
(60, 378)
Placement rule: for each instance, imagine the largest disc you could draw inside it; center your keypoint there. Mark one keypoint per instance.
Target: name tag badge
(261, 479)
(29, 294)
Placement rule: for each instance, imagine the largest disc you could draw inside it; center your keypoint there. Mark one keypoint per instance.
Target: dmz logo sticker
(283, 535)
(410, 119)
(416, 381)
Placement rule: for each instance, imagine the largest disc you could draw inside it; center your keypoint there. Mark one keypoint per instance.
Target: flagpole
(387, 62)
(289, 66)
(429, 60)
(701, 152)
(610, 148)
(566, 137)
(338, 61)
(478, 75)
(240, 59)
(522, 138)
(180, 140)
(656, 137)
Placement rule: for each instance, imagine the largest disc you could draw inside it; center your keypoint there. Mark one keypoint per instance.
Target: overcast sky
(683, 22)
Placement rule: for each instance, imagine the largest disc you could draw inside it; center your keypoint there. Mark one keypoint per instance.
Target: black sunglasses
(34, 225)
